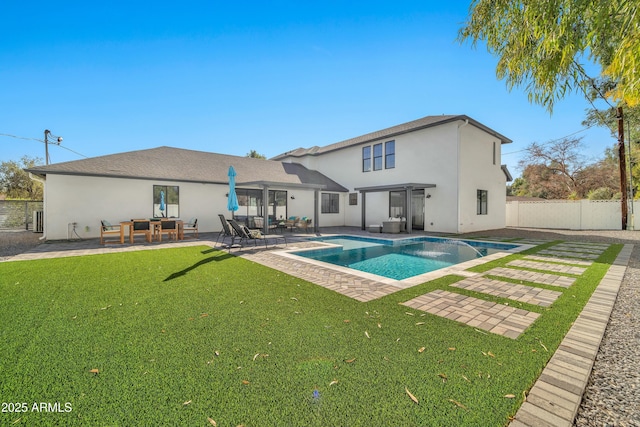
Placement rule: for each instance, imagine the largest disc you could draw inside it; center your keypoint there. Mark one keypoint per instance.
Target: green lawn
(178, 336)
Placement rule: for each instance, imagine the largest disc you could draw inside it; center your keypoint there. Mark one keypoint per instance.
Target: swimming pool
(400, 259)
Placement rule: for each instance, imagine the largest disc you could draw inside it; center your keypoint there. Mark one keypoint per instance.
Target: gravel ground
(612, 397)
(16, 242)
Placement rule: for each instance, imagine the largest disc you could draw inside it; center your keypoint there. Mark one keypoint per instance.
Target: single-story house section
(119, 187)
(439, 173)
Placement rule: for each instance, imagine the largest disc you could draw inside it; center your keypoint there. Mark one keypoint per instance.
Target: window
(494, 152)
(353, 199)
(166, 201)
(389, 154)
(482, 196)
(397, 204)
(330, 203)
(377, 157)
(366, 159)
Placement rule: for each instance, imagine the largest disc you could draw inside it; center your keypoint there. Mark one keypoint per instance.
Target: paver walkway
(556, 268)
(490, 316)
(521, 293)
(558, 260)
(532, 276)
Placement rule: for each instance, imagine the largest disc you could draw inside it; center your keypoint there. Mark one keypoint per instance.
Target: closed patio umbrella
(162, 203)
(232, 201)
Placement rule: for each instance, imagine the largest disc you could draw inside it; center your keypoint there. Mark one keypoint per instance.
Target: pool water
(400, 259)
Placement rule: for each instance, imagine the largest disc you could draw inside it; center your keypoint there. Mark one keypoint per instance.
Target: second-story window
(366, 159)
(389, 154)
(377, 157)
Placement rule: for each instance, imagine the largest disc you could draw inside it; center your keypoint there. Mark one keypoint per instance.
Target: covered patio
(408, 188)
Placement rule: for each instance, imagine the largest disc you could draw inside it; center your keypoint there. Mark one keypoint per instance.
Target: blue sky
(230, 77)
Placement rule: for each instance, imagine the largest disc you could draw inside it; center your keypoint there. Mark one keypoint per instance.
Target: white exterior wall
(426, 156)
(478, 172)
(87, 200)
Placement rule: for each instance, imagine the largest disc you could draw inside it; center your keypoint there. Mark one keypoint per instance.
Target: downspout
(466, 122)
(44, 202)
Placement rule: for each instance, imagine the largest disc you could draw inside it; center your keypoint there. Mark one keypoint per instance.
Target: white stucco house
(441, 173)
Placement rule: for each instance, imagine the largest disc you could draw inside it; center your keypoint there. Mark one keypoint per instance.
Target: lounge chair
(242, 234)
(168, 227)
(245, 235)
(191, 225)
(107, 229)
(226, 230)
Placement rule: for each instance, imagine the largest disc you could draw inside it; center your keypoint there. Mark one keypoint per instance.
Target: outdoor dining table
(154, 227)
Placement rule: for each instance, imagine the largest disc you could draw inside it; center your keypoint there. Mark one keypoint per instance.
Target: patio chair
(259, 222)
(140, 226)
(303, 223)
(168, 227)
(191, 225)
(226, 230)
(107, 229)
(291, 222)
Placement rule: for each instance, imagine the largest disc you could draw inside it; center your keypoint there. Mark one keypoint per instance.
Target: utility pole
(47, 132)
(46, 147)
(623, 168)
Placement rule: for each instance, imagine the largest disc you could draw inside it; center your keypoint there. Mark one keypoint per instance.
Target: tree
(607, 118)
(255, 155)
(541, 45)
(558, 161)
(557, 170)
(15, 182)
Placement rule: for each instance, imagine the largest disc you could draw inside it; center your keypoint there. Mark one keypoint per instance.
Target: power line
(553, 140)
(40, 140)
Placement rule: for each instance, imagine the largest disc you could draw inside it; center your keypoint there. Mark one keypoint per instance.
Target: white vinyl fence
(570, 214)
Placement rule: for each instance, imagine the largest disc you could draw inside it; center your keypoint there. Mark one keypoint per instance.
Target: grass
(178, 336)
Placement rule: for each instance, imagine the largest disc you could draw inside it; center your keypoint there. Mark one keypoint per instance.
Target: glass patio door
(417, 209)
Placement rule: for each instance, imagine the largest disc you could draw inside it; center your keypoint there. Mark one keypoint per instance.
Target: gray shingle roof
(393, 131)
(176, 164)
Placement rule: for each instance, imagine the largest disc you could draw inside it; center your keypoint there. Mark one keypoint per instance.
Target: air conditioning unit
(38, 221)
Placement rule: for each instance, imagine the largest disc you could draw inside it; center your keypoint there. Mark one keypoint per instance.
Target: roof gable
(391, 132)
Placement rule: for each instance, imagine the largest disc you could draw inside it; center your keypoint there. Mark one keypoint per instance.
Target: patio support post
(316, 210)
(409, 193)
(363, 210)
(265, 209)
